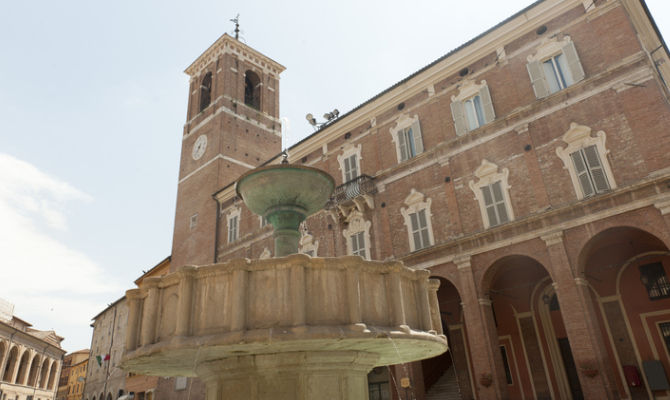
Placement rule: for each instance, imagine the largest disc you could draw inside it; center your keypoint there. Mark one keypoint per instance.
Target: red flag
(106, 357)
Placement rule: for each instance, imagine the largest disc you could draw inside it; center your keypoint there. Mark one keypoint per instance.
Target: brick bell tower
(232, 126)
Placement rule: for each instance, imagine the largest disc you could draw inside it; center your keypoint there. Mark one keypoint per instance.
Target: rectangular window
(232, 229)
(358, 244)
(495, 204)
(556, 72)
(194, 221)
(407, 148)
(665, 331)
(508, 372)
(350, 168)
(655, 281)
(420, 234)
(474, 113)
(590, 172)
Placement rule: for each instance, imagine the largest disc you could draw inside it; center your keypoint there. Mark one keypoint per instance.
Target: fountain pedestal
(333, 375)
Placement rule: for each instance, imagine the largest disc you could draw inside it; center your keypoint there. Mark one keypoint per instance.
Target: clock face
(199, 147)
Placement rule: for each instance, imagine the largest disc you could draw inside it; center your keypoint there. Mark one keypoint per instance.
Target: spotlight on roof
(310, 118)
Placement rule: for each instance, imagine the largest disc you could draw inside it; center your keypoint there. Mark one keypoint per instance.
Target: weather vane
(236, 20)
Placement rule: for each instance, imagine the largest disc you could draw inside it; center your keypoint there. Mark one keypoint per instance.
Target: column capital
(553, 238)
(523, 128)
(463, 262)
(484, 301)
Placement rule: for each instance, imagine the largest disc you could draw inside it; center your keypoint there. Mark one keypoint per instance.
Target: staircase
(446, 388)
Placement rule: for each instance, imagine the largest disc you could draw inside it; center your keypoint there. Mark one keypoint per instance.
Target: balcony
(357, 192)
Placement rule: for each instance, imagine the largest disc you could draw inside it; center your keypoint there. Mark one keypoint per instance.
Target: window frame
(233, 214)
(487, 174)
(344, 159)
(399, 132)
(470, 91)
(357, 224)
(579, 137)
(417, 202)
(548, 50)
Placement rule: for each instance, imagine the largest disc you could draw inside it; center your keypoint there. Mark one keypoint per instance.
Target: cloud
(46, 278)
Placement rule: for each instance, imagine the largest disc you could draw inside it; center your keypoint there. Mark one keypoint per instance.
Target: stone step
(446, 388)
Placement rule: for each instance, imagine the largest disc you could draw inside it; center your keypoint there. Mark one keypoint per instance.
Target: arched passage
(534, 351)
(23, 368)
(43, 374)
(32, 371)
(452, 367)
(10, 365)
(52, 375)
(628, 271)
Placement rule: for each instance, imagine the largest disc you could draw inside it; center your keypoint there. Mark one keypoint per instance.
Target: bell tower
(232, 126)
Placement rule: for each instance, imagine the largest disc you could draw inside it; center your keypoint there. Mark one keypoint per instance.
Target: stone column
(580, 320)
(329, 375)
(482, 336)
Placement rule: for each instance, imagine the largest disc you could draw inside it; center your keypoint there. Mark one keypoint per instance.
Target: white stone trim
(468, 89)
(488, 174)
(307, 244)
(416, 201)
(265, 254)
(356, 225)
(549, 48)
(579, 137)
(230, 213)
(403, 121)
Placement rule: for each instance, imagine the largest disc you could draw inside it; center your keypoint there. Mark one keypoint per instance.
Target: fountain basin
(382, 312)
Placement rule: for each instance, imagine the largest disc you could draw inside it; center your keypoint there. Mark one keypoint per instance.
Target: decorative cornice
(227, 44)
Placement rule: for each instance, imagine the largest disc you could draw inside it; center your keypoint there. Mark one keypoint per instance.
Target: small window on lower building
(180, 383)
(508, 371)
(654, 279)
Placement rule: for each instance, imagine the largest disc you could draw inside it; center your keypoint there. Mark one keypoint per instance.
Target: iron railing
(358, 186)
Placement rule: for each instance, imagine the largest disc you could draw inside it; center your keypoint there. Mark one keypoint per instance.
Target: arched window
(252, 90)
(43, 374)
(52, 375)
(206, 91)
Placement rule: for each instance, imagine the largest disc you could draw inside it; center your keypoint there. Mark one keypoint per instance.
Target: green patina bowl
(290, 187)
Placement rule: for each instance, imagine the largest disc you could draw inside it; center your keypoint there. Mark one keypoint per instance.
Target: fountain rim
(276, 167)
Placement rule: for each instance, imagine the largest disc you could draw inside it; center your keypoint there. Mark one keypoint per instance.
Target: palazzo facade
(528, 170)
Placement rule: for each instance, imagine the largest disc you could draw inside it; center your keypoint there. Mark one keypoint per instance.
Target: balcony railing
(360, 186)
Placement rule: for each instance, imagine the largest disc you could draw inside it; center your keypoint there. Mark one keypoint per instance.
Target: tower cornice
(227, 44)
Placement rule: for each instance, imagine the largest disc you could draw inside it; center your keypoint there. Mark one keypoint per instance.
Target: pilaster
(482, 336)
(580, 322)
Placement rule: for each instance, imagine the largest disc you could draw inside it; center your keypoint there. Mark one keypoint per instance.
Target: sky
(93, 102)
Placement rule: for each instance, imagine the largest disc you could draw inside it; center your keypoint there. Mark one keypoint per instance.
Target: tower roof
(228, 44)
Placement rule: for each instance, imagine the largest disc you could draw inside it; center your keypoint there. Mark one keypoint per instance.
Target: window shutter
(487, 104)
(416, 236)
(582, 173)
(459, 118)
(500, 202)
(574, 65)
(596, 169)
(537, 79)
(425, 239)
(490, 207)
(418, 139)
(402, 144)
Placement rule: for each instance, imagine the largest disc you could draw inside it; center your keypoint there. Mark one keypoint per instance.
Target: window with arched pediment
(471, 107)
(585, 158)
(417, 216)
(492, 193)
(357, 235)
(406, 134)
(554, 66)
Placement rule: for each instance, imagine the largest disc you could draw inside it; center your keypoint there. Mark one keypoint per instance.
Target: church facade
(528, 170)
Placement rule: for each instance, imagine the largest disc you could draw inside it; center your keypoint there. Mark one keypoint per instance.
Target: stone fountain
(291, 327)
